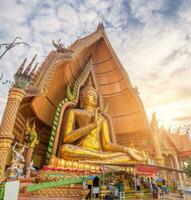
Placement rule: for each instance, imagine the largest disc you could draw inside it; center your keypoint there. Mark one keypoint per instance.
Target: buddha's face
(90, 98)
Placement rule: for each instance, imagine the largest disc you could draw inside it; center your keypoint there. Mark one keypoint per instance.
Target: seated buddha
(86, 134)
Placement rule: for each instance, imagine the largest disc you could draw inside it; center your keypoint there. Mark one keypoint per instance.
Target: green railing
(39, 186)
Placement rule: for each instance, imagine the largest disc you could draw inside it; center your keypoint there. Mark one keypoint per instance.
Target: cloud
(151, 38)
(183, 119)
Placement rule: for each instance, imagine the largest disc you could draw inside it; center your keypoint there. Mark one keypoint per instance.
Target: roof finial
(60, 47)
(100, 26)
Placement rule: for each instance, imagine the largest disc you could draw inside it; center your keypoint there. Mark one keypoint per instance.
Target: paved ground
(171, 196)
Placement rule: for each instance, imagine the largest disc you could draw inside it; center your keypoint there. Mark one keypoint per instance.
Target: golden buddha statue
(86, 134)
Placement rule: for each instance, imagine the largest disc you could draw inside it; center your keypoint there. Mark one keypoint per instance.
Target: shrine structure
(78, 94)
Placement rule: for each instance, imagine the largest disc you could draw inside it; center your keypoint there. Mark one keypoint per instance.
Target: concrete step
(48, 198)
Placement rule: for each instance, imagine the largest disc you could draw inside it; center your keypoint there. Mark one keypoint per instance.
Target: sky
(151, 38)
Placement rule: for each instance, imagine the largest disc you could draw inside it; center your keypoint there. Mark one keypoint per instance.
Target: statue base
(49, 173)
(61, 179)
(66, 192)
(74, 166)
(59, 183)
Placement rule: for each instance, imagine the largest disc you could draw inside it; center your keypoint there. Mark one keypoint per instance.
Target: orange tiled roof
(182, 142)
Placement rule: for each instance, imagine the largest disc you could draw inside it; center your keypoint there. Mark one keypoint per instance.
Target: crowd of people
(129, 183)
(157, 186)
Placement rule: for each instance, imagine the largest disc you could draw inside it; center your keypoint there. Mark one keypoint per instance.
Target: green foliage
(187, 169)
(2, 191)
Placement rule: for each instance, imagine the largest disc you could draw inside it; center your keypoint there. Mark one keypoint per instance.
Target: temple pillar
(156, 140)
(7, 124)
(158, 153)
(178, 167)
(182, 167)
(171, 162)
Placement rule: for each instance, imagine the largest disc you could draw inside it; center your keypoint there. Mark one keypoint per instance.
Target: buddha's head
(88, 97)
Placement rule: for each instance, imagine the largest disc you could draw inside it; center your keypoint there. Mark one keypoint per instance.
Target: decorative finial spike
(27, 70)
(20, 69)
(31, 75)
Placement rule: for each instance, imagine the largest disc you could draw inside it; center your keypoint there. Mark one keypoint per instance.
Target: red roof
(181, 142)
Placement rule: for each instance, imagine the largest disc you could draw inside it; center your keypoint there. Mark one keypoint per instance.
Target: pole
(135, 181)
(103, 176)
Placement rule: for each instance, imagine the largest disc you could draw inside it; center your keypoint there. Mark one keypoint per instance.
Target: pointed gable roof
(180, 142)
(60, 69)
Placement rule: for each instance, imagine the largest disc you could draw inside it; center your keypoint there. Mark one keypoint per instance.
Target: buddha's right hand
(97, 118)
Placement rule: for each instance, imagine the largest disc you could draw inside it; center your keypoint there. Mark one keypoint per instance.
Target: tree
(187, 169)
(10, 45)
(7, 47)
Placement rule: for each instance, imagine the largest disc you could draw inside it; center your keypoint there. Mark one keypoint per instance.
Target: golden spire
(154, 122)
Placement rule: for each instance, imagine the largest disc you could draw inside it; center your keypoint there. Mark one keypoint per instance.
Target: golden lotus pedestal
(63, 164)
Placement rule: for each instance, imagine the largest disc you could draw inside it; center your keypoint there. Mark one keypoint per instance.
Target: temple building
(63, 67)
(176, 149)
(80, 105)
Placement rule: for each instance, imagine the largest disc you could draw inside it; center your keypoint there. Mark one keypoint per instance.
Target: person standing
(138, 183)
(149, 182)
